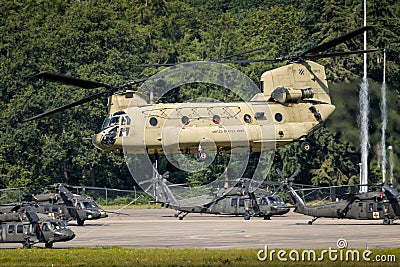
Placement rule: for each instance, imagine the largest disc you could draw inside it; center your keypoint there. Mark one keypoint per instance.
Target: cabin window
(241, 202)
(11, 229)
(234, 202)
(185, 120)
(216, 119)
(278, 117)
(153, 121)
(380, 206)
(20, 229)
(247, 118)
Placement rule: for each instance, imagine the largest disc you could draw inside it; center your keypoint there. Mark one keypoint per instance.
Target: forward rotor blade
(60, 109)
(244, 61)
(70, 80)
(242, 53)
(334, 42)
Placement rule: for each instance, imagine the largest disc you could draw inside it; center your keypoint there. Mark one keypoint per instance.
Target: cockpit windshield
(89, 205)
(116, 119)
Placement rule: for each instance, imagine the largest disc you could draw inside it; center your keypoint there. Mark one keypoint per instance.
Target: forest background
(105, 41)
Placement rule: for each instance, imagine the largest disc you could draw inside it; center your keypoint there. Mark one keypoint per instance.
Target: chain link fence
(102, 195)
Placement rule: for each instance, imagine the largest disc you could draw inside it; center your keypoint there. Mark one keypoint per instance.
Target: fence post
(106, 196)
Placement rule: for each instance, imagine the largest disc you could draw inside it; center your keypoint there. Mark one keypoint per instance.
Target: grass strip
(115, 256)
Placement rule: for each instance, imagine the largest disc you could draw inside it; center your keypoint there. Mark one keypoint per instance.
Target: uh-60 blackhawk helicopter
(231, 197)
(22, 224)
(294, 103)
(372, 205)
(66, 205)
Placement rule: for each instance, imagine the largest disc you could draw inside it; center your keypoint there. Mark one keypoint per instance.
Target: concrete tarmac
(159, 228)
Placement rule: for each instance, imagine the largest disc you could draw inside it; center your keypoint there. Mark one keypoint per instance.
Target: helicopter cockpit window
(126, 120)
(114, 121)
(106, 123)
(234, 202)
(45, 227)
(241, 202)
(264, 202)
(55, 225)
(89, 205)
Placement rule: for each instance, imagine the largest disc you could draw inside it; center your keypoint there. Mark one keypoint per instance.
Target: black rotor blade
(69, 80)
(158, 65)
(334, 42)
(242, 53)
(60, 109)
(338, 54)
(294, 174)
(244, 61)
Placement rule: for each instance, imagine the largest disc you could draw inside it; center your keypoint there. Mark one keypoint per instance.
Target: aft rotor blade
(54, 77)
(294, 174)
(334, 42)
(60, 109)
(338, 54)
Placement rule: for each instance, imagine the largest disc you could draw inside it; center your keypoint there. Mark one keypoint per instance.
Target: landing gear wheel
(387, 221)
(27, 244)
(200, 155)
(305, 146)
(267, 217)
(80, 222)
(246, 216)
(277, 157)
(49, 245)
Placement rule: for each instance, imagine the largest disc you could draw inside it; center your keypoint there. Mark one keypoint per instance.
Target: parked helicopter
(361, 206)
(294, 103)
(237, 200)
(21, 224)
(67, 205)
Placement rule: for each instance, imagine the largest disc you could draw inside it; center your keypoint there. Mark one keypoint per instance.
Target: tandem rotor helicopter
(374, 205)
(294, 103)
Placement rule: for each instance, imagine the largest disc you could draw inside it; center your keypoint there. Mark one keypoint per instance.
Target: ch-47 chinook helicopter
(294, 103)
(234, 198)
(67, 205)
(374, 205)
(21, 224)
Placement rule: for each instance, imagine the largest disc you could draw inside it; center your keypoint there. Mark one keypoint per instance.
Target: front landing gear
(313, 220)
(201, 155)
(305, 146)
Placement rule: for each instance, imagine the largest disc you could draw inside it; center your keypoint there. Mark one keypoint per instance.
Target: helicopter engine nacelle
(289, 95)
